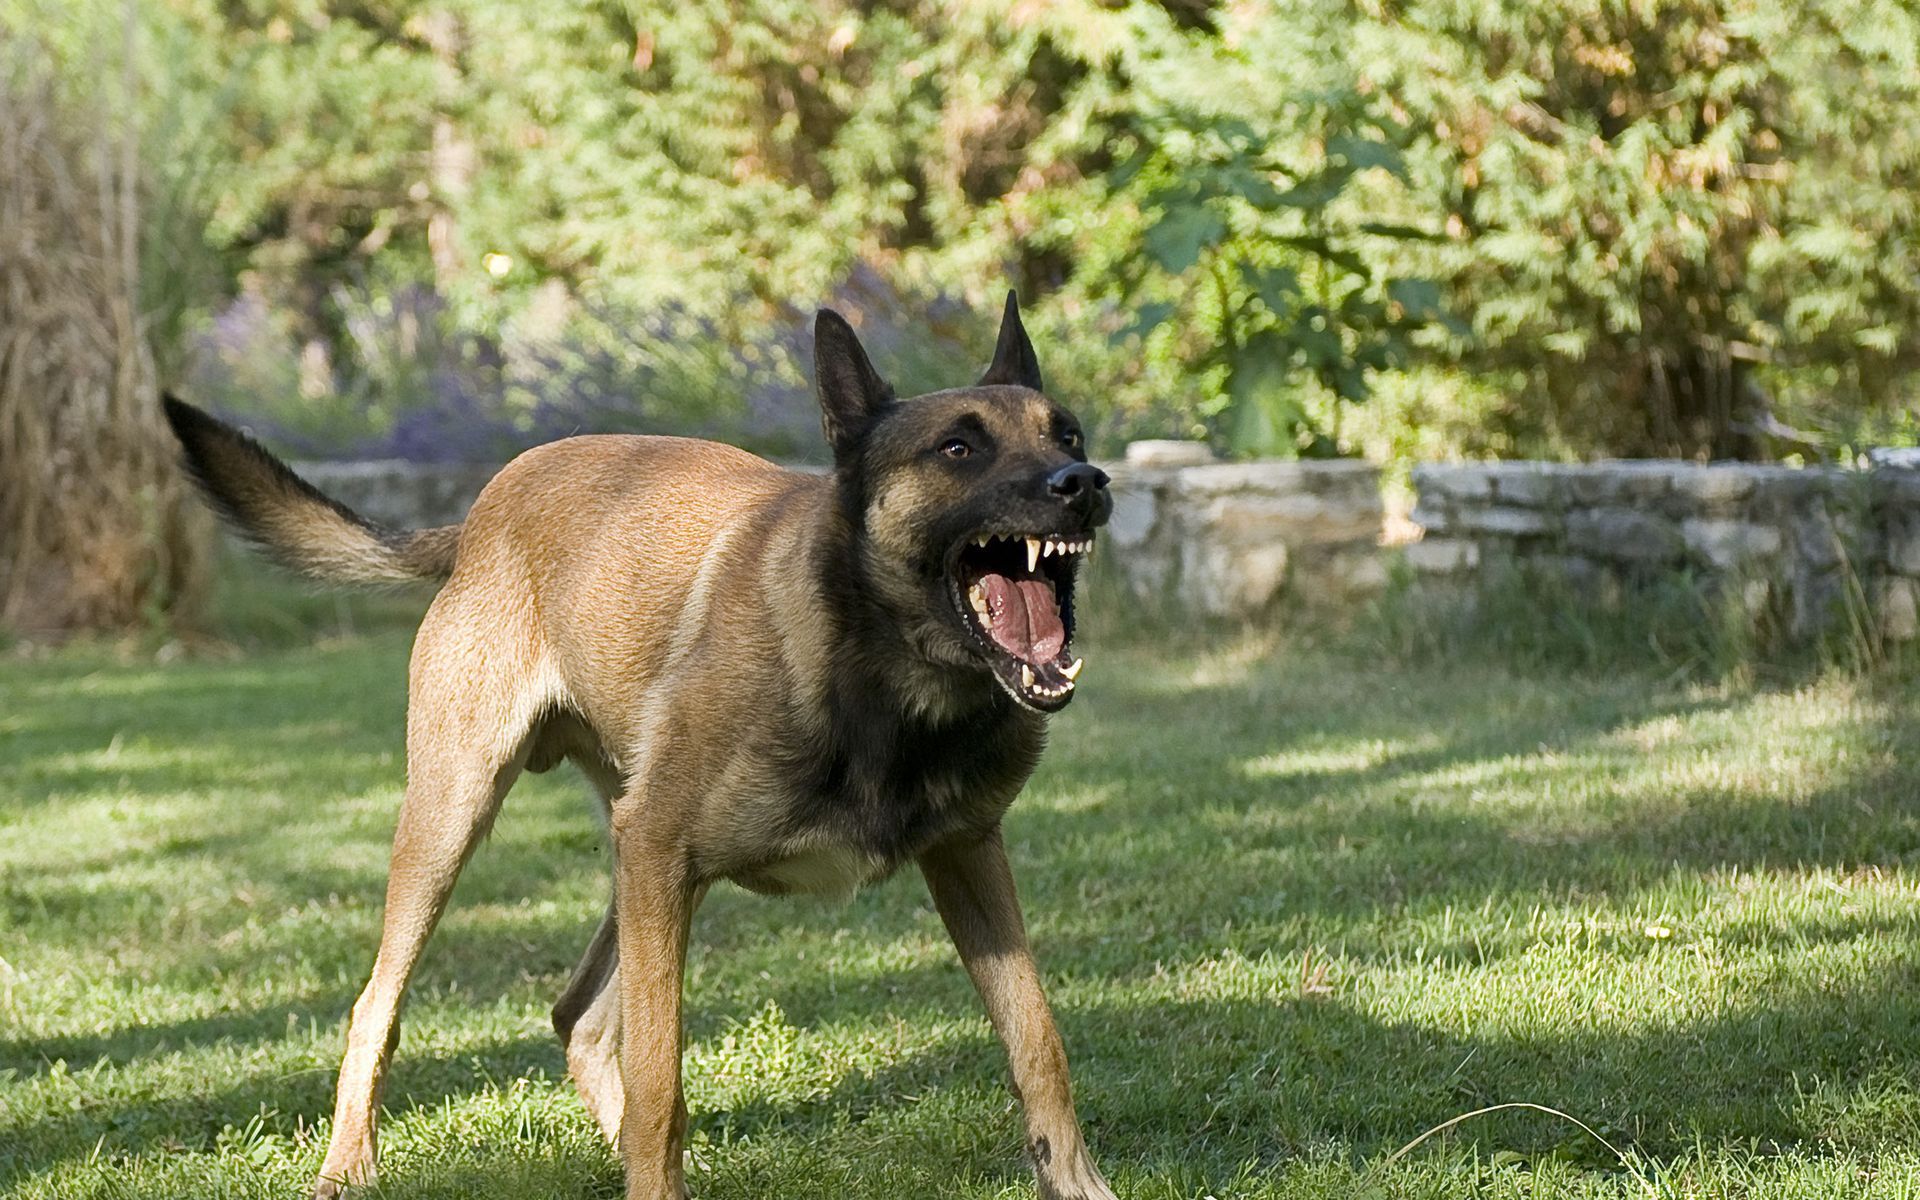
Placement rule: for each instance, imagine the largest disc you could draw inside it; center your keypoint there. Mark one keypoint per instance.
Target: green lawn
(1294, 911)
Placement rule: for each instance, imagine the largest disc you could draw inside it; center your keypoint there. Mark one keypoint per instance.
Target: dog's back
(666, 549)
(686, 544)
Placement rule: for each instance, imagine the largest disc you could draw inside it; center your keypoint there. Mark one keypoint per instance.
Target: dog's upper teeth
(1072, 669)
(1033, 553)
(981, 539)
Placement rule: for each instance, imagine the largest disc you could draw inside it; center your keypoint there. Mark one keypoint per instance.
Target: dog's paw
(343, 1185)
(1068, 1177)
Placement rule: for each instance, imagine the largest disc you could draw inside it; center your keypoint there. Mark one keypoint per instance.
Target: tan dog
(790, 681)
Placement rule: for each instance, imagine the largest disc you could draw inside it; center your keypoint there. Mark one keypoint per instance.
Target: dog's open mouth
(1014, 592)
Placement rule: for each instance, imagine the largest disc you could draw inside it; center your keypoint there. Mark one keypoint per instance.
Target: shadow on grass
(1248, 1081)
(1141, 813)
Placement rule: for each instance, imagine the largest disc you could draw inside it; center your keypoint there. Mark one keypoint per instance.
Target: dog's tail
(292, 521)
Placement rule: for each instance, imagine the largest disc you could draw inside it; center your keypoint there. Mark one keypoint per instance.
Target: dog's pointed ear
(852, 394)
(1013, 358)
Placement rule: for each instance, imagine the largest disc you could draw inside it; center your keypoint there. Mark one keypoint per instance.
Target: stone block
(1624, 535)
(1817, 538)
(1470, 483)
(1273, 478)
(1902, 458)
(1714, 486)
(1903, 543)
(1624, 482)
(1510, 522)
(1297, 519)
(1895, 489)
(1724, 543)
(1433, 517)
(1527, 485)
(1168, 452)
(1899, 603)
(1229, 581)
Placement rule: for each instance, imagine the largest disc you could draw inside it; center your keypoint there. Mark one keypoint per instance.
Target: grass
(1295, 909)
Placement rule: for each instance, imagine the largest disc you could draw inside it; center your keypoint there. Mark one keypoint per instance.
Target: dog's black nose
(1075, 479)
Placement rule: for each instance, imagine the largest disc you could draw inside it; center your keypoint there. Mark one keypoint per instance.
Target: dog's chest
(863, 813)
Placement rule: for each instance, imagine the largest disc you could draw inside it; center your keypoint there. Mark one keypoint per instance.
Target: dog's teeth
(1072, 669)
(981, 540)
(1026, 677)
(977, 596)
(1033, 553)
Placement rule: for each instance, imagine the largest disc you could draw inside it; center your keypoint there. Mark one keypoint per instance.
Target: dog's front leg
(972, 887)
(654, 900)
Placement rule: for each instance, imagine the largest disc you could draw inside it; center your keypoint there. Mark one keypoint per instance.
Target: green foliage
(1658, 209)
(1605, 226)
(1262, 202)
(1681, 229)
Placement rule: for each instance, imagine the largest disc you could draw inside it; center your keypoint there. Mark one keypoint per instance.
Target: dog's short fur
(790, 681)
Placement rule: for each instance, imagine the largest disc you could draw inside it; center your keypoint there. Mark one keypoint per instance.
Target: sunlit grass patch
(1295, 908)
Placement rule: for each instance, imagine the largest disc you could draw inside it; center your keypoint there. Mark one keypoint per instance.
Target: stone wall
(1231, 539)
(1802, 542)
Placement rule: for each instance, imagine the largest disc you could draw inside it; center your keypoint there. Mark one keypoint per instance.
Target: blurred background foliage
(1405, 228)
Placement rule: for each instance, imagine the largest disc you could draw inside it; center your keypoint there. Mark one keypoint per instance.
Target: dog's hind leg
(587, 1018)
(466, 743)
(587, 1015)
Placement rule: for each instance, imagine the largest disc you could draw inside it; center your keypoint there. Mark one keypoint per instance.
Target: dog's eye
(1072, 439)
(955, 448)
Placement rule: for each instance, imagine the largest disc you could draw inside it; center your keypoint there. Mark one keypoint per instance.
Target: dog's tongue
(1023, 618)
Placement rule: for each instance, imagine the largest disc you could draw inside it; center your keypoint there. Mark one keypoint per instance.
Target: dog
(794, 682)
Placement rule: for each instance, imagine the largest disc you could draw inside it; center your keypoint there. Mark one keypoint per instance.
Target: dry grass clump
(97, 529)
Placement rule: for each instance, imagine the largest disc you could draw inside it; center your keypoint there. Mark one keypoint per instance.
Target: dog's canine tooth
(1072, 669)
(1033, 553)
(1026, 676)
